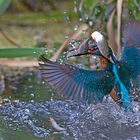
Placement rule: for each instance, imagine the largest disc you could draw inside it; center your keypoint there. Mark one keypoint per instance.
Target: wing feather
(131, 47)
(76, 83)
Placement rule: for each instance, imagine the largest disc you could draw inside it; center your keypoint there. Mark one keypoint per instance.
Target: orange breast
(103, 62)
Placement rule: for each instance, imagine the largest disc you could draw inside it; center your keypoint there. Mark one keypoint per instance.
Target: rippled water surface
(29, 119)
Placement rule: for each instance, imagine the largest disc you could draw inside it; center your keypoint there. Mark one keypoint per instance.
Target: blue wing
(131, 48)
(131, 54)
(76, 83)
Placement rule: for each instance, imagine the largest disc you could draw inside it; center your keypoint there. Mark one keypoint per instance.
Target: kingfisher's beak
(84, 48)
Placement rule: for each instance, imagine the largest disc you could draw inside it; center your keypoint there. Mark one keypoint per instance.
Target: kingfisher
(92, 85)
(127, 69)
(76, 83)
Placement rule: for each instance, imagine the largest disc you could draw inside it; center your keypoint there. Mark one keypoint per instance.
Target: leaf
(133, 5)
(21, 52)
(4, 5)
(137, 17)
(93, 10)
(88, 8)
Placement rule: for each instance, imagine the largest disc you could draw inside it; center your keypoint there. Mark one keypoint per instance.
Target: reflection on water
(29, 119)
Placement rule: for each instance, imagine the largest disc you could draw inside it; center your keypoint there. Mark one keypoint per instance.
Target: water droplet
(80, 66)
(65, 53)
(75, 2)
(83, 31)
(32, 101)
(27, 110)
(107, 75)
(75, 9)
(16, 101)
(94, 57)
(66, 36)
(139, 8)
(80, 19)
(90, 23)
(75, 27)
(30, 86)
(65, 12)
(67, 18)
(46, 51)
(32, 95)
(85, 17)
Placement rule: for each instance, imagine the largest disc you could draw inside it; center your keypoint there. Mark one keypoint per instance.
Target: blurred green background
(33, 23)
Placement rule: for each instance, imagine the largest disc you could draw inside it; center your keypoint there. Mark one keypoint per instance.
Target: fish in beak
(88, 46)
(94, 45)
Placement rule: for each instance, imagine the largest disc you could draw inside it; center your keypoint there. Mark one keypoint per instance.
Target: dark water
(28, 117)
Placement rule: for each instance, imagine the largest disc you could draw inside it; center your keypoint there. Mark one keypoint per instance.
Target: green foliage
(89, 6)
(134, 6)
(95, 10)
(20, 52)
(99, 10)
(4, 5)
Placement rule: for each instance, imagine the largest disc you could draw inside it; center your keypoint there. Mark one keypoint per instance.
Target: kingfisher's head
(101, 43)
(95, 45)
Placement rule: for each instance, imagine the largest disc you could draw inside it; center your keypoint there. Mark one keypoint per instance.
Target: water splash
(101, 121)
(75, 27)
(67, 18)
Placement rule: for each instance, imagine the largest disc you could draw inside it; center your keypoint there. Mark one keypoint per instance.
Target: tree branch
(9, 39)
(119, 12)
(111, 34)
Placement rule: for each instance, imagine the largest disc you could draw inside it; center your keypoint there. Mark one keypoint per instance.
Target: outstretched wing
(131, 47)
(76, 83)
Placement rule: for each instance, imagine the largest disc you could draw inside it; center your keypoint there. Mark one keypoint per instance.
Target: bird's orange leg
(115, 97)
